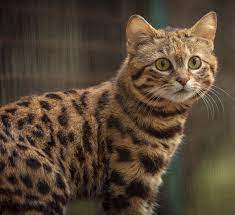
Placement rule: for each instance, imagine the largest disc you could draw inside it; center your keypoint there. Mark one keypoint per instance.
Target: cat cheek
(190, 85)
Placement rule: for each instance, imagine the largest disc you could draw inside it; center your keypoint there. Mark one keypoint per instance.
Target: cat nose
(182, 80)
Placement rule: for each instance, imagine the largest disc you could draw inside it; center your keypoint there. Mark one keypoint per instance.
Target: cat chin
(180, 97)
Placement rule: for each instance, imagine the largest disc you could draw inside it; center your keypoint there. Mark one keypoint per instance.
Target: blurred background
(61, 44)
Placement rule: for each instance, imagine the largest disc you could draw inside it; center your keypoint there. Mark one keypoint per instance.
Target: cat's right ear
(138, 30)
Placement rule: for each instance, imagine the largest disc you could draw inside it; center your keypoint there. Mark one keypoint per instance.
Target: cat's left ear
(138, 30)
(206, 27)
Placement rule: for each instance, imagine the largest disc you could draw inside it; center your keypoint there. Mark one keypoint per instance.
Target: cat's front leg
(134, 198)
(131, 192)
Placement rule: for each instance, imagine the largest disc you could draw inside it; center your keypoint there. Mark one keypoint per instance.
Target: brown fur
(112, 141)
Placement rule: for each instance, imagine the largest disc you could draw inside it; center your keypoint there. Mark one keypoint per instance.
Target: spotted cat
(112, 141)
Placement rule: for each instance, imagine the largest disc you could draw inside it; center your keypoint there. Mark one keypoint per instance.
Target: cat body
(112, 141)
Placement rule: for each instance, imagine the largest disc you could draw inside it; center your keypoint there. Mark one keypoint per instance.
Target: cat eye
(194, 62)
(163, 64)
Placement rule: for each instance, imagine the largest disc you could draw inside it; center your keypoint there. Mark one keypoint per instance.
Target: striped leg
(135, 198)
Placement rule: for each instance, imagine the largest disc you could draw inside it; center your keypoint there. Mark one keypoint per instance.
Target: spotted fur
(113, 141)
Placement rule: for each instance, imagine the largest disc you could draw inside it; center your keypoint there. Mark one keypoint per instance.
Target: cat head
(178, 65)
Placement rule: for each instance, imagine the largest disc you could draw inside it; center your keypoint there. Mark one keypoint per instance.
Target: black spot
(22, 147)
(6, 131)
(51, 142)
(20, 124)
(39, 133)
(109, 145)
(26, 120)
(30, 117)
(2, 166)
(21, 139)
(87, 135)
(45, 105)
(80, 154)
(5, 121)
(63, 138)
(72, 171)
(151, 164)
(11, 110)
(77, 179)
(120, 202)
(43, 187)
(55, 207)
(47, 168)
(80, 105)
(14, 153)
(60, 182)
(33, 163)
(31, 197)
(102, 102)
(117, 178)
(63, 118)
(83, 98)
(124, 155)
(71, 136)
(59, 198)
(47, 150)
(30, 140)
(137, 189)
(53, 96)
(62, 154)
(70, 92)
(85, 182)
(95, 170)
(45, 119)
(23, 103)
(27, 181)
(12, 179)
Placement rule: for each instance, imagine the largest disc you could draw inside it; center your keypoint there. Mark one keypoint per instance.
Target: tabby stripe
(5, 121)
(23, 207)
(114, 122)
(102, 102)
(100, 106)
(151, 110)
(152, 164)
(163, 133)
(87, 134)
(7, 192)
(143, 86)
(85, 182)
(138, 74)
(80, 105)
(160, 134)
(53, 96)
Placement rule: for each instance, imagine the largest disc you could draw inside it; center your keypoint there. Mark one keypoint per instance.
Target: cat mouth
(182, 91)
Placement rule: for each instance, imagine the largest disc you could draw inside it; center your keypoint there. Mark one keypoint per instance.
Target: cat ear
(138, 30)
(206, 27)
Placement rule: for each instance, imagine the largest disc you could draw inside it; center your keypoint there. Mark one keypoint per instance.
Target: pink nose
(182, 81)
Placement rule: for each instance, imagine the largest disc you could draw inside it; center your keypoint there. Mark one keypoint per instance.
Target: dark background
(62, 44)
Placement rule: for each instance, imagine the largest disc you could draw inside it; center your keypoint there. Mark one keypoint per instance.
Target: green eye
(194, 62)
(163, 64)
